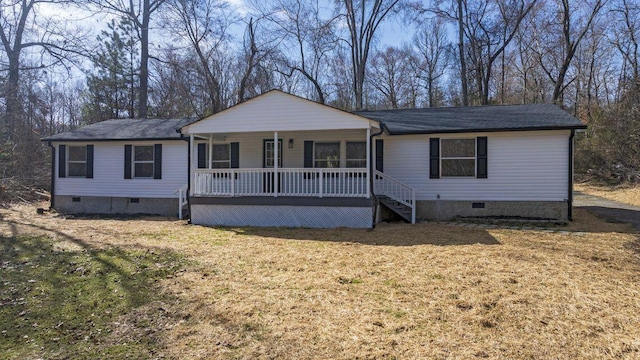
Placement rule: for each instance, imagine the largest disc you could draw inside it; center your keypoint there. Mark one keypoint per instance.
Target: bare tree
(564, 30)
(433, 47)
(205, 24)
(489, 27)
(625, 39)
(309, 39)
(363, 18)
(391, 75)
(23, 32)
(255, 76)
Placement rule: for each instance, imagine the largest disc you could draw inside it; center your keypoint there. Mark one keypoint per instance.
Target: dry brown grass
(399, 291)
(625, 194)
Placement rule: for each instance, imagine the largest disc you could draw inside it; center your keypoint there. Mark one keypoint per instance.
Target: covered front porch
(278, 160)
(304, 164)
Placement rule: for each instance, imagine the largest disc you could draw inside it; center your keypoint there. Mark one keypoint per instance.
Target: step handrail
(396, 190)
(182, 199)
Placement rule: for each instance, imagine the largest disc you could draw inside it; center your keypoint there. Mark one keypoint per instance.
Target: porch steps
(401, 209)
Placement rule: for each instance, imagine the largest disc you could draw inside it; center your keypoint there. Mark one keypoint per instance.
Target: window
(458, 157)
(356, 154)
(143, 161)
(327, 155)
(269, 153)
(77, 161)
(221, 156)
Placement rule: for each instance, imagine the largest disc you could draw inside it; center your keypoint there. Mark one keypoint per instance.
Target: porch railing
(384, 184)
(315, 182)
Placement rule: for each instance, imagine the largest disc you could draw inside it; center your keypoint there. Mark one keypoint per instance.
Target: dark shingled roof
(125, 129)
(474, 118)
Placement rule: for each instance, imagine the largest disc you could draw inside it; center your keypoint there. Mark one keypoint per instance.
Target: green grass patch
(68, 304)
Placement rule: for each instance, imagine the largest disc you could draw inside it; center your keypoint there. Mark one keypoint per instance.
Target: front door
(268, 161)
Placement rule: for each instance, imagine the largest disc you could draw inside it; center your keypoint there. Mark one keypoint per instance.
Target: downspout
(52, 202)
(570, 173)
(188, 174)
(371, 173)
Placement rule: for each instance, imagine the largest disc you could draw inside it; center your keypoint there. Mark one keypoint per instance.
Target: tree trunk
(144, 61)
(13, 107)
(463, 64)
(430, 90)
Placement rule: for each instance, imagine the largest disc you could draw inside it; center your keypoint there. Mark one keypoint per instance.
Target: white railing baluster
(317, 182)
(395, 190)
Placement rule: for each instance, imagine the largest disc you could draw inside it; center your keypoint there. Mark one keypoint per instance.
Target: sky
(392, 31)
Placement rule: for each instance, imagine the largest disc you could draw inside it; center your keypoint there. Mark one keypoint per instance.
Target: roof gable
(278, 111)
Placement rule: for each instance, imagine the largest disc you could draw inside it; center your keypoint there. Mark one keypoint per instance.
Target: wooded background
(67, 63)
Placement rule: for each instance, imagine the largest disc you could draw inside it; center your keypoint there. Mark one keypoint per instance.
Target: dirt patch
(399, 291)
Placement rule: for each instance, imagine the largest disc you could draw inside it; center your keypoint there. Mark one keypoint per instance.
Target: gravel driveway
(609, 209)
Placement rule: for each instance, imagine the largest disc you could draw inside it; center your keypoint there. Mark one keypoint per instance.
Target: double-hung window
(221, 156)
(327, 155)
(77, 161)
(356, 154)
(143, 157)
(458, 157)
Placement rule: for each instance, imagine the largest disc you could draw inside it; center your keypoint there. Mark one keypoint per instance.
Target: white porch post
(368, 162)
(210, 166)
(275, 164)
(192, 176)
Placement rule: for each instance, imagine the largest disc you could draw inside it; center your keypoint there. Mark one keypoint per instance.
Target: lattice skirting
(281, 216)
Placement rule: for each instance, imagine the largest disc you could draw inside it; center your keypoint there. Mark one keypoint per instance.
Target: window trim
(474, 158)
(134, 162)
(69, 161)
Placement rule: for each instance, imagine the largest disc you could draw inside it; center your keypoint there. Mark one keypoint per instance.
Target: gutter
(52, 192)
(371, 170)
(487, 130)
(570, 174)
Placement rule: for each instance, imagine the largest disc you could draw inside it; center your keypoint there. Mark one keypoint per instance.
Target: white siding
(277, 111)
(108, 173)
(522, 166)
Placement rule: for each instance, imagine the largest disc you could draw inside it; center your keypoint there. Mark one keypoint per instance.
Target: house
(125, 166)
(280, 160)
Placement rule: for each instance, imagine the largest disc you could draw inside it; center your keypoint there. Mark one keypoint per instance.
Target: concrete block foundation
(444, 210)
(116, 205)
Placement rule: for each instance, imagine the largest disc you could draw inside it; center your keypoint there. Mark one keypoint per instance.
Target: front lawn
(162, 289)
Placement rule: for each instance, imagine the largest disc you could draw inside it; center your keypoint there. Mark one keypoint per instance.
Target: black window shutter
(235, 155)
(202, 156)
(434, 158)
(308, 154)
(127, 161)
(379, 154)
(481, 162)
(89, 172)
(62, 161)
(157, 161)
